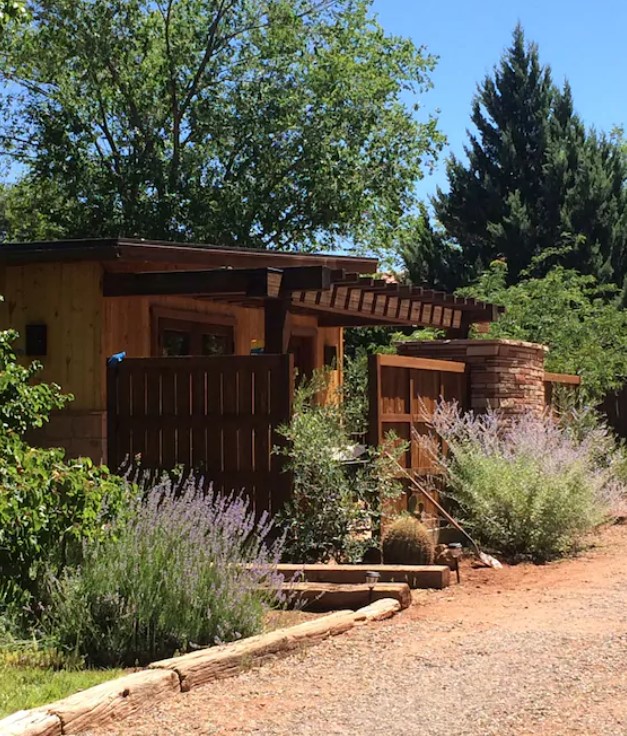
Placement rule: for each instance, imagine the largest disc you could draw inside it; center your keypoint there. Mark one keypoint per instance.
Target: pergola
(337, 297)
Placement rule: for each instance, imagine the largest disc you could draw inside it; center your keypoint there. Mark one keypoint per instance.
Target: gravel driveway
(525, 650)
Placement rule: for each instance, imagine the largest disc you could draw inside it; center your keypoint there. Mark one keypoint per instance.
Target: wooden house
(234, 320)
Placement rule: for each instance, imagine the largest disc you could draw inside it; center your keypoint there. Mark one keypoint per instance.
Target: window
(189, 337)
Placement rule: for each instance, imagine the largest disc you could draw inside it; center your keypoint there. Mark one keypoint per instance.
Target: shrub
(47, 505)
(176, 571)
(526, 487)
(47, 508)
(407, 542)
(23, 404)
(334, 508)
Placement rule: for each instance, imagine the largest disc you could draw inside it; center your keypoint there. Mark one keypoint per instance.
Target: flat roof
(148, 252)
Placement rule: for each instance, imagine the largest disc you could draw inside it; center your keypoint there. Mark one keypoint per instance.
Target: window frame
(196, 324)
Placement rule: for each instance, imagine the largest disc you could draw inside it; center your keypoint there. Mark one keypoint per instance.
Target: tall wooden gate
(404, 392)
(217, 416)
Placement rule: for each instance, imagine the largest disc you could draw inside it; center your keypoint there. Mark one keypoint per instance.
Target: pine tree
(536, 183)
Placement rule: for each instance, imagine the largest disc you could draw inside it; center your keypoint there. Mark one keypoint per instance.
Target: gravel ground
(526, 650)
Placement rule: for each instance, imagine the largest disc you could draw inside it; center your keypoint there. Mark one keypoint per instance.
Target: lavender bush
(176, 571)
(529, 487)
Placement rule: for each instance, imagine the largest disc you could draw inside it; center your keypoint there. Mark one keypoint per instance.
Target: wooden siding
(67, 298)
(84, 328)
(128, 325)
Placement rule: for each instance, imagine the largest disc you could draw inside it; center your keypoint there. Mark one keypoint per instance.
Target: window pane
(175, 342)
(214, 344)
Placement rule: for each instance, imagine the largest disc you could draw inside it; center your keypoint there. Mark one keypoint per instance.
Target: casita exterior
(75, 303)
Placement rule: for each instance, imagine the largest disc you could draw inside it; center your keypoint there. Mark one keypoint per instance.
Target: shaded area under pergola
(338, 298)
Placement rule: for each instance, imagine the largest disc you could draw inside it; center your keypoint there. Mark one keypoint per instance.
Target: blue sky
(582, 41)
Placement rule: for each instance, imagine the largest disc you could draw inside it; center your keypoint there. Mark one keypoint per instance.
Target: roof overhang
(155, 254)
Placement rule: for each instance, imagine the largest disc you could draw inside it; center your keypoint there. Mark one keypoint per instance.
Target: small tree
(23, 404)
(334, 508)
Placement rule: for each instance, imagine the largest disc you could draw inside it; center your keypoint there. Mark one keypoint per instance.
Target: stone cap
(474, 343)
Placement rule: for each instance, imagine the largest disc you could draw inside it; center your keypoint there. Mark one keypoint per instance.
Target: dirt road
(526, 650)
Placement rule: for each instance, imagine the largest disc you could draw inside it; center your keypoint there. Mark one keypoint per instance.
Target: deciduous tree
(273, 123)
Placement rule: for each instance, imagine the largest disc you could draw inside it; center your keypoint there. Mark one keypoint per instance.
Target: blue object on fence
(116, 358)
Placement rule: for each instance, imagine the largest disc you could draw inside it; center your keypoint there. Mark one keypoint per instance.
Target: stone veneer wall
(80, 433)
(507, 375)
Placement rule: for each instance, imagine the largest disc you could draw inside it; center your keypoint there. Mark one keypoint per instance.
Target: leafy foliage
(534, 178)
(334, 508)
(23, 404)
(585, 331)
(48, 507)
(11, 10)
(178, 571)
(527, 487)
(275, 123)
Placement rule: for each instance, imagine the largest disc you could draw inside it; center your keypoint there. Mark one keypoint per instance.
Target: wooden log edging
(416, 576)
(120, 698)
(332, 596)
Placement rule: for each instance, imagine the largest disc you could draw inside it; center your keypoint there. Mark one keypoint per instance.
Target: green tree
(584, 328)
(534, 178)
(11, 10)
(265, 123)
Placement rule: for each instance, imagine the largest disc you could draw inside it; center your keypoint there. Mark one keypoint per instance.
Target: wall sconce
(36, 340)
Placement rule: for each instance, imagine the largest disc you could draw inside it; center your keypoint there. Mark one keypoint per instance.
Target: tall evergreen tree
(535, 182)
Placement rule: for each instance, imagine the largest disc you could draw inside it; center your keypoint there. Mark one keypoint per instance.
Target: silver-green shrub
(527, 487)
(176, 571)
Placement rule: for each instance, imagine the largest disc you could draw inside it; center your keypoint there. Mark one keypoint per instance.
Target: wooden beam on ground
(31, 723)
(251, 282)
(114, 700)
(416, 576)
(331, 596)
(216, 663)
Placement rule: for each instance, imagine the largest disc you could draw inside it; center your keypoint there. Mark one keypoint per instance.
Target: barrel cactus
(408, 542)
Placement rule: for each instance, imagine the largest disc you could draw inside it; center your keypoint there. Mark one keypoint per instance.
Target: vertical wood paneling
(67, 298)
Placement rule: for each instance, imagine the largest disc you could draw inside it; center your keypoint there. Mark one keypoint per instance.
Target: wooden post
(276, 326)
(111, 372)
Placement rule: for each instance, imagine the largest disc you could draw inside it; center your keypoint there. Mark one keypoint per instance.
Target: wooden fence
(217, 416)
(555, 380)
(614, 407)
(403, 394)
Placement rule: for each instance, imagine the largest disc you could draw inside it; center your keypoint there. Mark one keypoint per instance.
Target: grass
(28, 687)
(30, 676)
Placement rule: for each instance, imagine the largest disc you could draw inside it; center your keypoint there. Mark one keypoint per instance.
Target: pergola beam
(250, 282)
(219, 283)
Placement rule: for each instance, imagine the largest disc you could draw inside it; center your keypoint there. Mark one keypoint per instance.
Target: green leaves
(278, 123)
(48, 507)
(23, 405)
(585, 330)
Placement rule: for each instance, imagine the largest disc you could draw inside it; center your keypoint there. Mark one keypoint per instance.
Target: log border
(120, 698)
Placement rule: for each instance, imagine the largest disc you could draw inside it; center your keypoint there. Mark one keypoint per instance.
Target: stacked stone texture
(507, 375)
